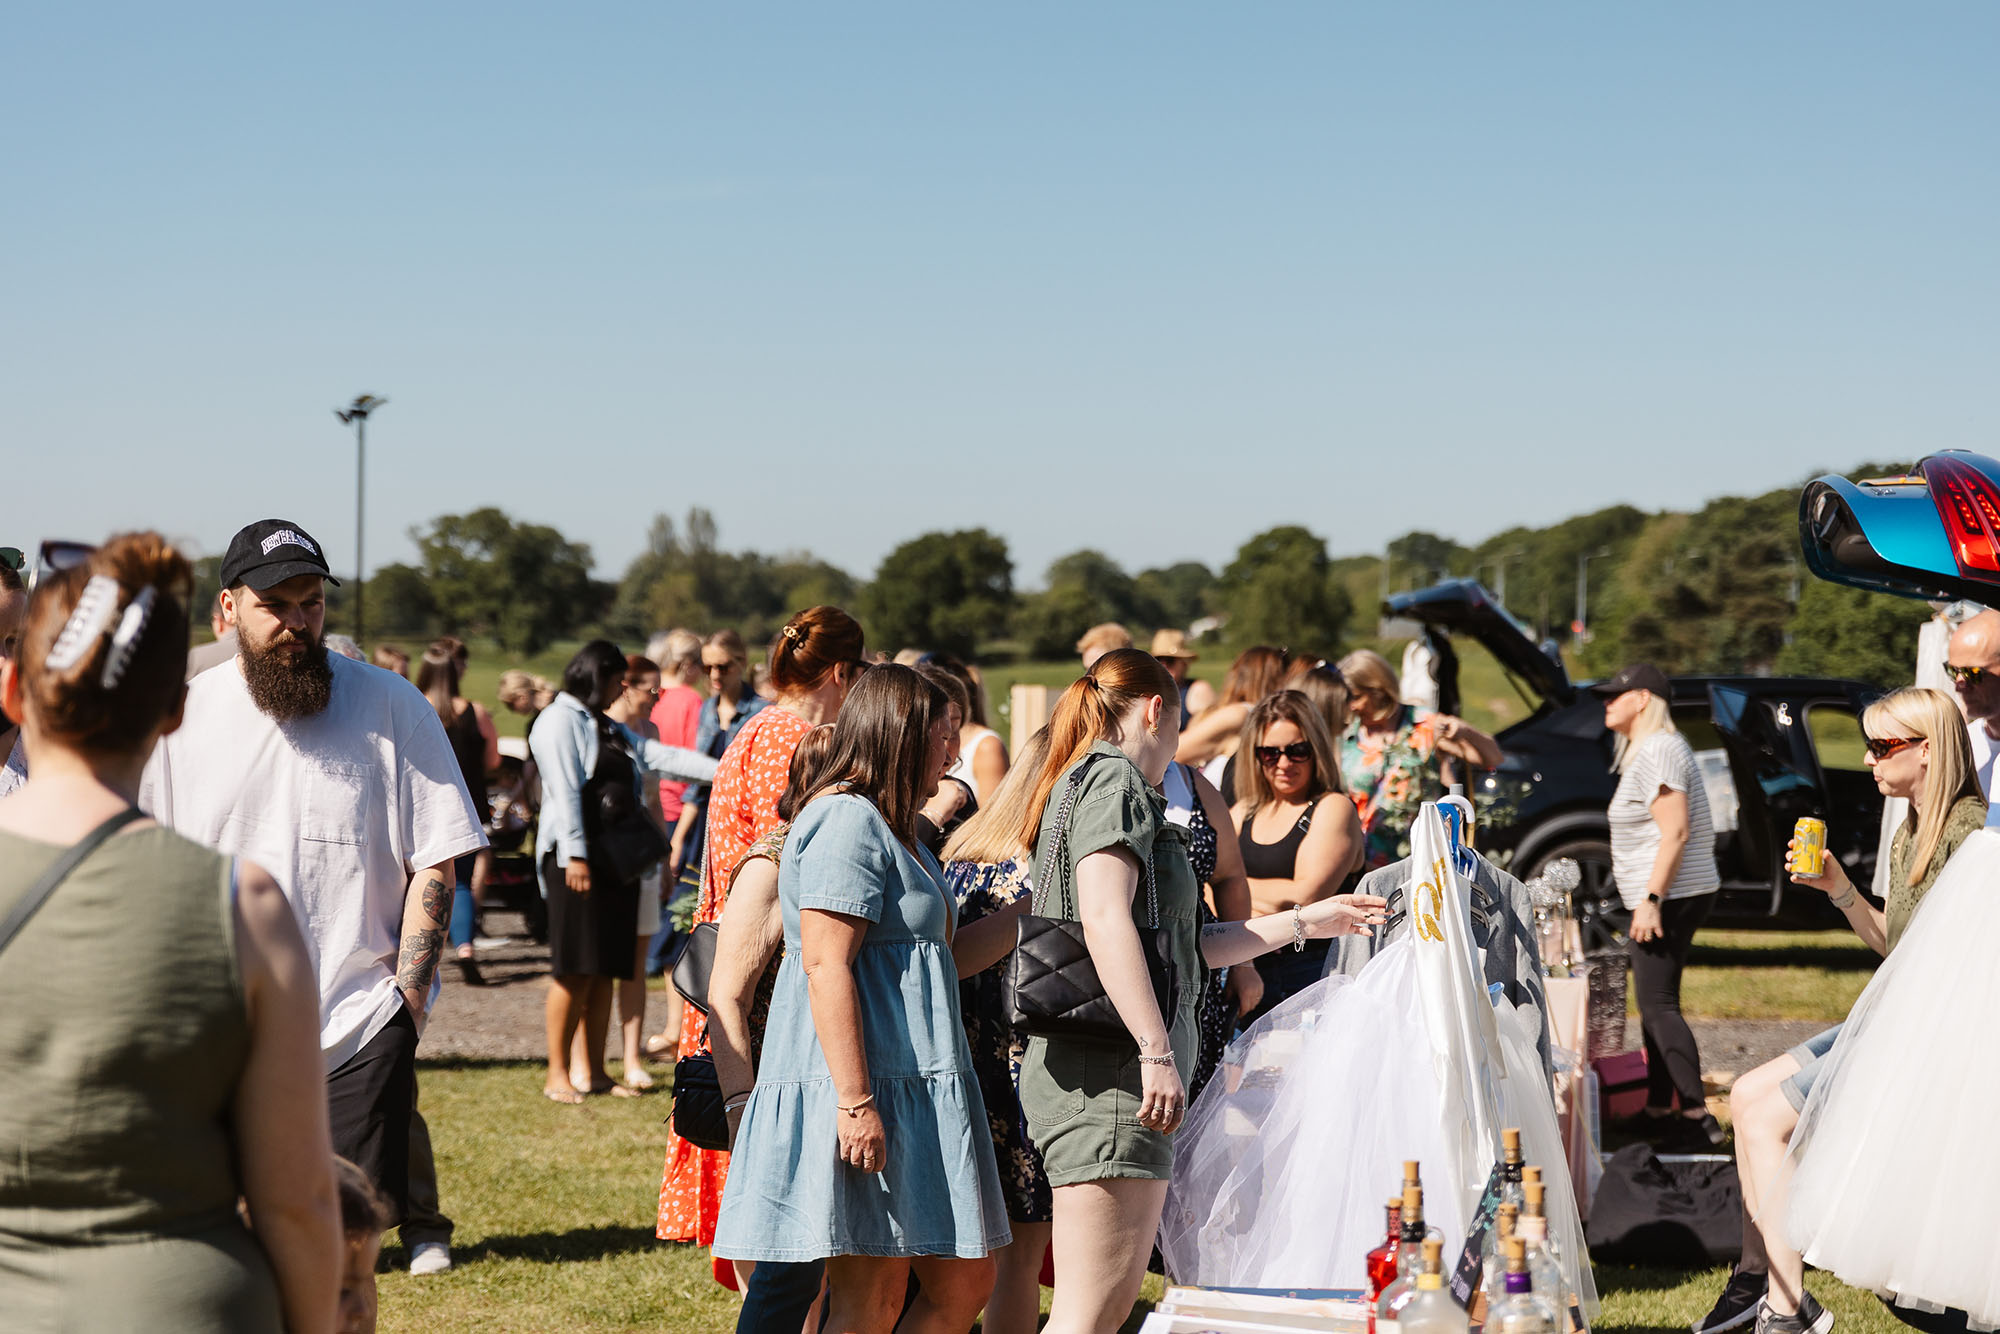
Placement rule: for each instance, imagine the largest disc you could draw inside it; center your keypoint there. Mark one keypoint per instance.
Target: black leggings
(1673, 1065)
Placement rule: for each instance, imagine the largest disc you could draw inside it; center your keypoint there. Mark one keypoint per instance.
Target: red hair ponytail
(1088, 712)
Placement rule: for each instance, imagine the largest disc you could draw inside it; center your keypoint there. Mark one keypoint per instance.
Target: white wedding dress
(1897, 1165)
(1286, 1161)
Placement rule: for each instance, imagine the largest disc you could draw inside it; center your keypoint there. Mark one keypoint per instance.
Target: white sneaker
(430, 1257)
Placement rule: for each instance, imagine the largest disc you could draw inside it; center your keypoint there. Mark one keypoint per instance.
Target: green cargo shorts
(1081, 1100)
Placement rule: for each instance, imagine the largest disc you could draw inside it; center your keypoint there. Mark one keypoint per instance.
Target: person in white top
(1972, 661)
(982, 760)
(13, 607)
(339, 779)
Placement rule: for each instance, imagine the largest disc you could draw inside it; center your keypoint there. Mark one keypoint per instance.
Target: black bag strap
(38, 893)
(1065, 891)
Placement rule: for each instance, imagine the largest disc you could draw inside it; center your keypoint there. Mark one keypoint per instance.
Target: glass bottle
(1432, 1310)
(1493, 1253)
(1511, 1167)
(1382, 1260)
(1411, 1178)
(1409, 1260)
(1543, 1266)
(1520, 1311)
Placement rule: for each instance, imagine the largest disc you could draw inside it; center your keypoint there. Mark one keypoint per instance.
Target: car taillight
(1967, 502)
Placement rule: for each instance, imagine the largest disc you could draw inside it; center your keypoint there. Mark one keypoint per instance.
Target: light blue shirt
(564, 744)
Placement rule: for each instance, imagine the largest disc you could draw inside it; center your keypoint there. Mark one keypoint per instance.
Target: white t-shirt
(342, 809)
(1663, 759)
(1984, 750)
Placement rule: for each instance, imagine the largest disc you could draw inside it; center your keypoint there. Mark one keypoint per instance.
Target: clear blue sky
(844, 273)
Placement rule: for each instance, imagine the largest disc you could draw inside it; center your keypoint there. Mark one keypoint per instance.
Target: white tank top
(961, 768)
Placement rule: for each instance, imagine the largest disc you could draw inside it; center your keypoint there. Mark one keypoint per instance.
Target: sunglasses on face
(1967, 676)
(13, 558)
(1883, 747)
(1268, 756)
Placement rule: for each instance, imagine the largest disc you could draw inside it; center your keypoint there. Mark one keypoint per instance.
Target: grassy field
(555, 1211)
(1775, 975)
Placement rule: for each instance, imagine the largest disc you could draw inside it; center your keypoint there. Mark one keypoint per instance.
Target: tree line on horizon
(1718, 589)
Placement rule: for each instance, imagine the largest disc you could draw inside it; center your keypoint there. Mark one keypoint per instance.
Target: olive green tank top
(123, 1034)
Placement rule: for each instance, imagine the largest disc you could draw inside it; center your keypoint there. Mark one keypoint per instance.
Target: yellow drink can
(1809, 847)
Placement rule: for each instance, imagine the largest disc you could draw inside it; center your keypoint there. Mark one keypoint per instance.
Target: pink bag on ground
(1621, 1082)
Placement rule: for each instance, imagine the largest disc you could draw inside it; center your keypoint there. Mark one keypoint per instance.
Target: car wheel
(1600, 914)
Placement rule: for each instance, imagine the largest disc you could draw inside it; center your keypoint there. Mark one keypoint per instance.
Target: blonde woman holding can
(1918, 750)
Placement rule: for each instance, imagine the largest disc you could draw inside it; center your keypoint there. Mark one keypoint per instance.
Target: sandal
(663, 1047)
(639, 1078)
(567, 1097)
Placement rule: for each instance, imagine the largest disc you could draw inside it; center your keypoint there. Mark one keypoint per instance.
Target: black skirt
(594, 934)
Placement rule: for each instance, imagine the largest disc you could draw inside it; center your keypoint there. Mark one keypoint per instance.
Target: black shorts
(369, 1100)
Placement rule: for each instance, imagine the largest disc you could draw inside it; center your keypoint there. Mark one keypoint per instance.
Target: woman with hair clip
(1389, 753)
(1299, 835)
(159, 1017)
(591, 769)
(1102, 1116)
(438, 677)
(815, 659)
(864, 1140)
(1918, 750)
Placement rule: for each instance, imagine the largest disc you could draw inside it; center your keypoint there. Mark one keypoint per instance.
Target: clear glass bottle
(1543, 1265)
(1511, 1167)
(1520, 1311)
(1493, 1254)
(1409, 1260)
(1411, 1178)
(1432, 1310)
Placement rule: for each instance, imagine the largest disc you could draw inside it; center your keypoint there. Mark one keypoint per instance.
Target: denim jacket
(564, 744)
(711, 738)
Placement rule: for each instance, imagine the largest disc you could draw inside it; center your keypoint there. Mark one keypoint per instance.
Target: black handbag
(695, 964)
(1052, 987)
(620, 833)
(699, 1116)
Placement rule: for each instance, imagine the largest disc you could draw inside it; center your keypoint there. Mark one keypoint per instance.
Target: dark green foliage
(1280, 590)
(683, 579)
(523, 584)
(1841, 631)
(942, 591)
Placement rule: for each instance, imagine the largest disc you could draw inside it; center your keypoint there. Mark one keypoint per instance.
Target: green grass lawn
(1775, 974)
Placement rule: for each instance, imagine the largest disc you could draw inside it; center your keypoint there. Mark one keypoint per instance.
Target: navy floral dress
(982, 888)
(1218, 1015)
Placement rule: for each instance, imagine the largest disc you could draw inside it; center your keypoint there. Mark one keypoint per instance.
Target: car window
(1836, 737)
(1713, 762)
(1698, 728)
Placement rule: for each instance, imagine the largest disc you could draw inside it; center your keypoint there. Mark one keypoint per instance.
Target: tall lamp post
(356, 413)
(1582, 625)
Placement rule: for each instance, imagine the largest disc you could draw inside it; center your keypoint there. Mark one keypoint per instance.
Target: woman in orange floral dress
(813, 662)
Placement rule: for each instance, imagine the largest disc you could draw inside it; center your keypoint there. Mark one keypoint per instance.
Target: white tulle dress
(1897, 1162)
(1282, 1169)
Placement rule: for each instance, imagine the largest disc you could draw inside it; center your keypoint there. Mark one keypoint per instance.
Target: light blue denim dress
(789, 1197)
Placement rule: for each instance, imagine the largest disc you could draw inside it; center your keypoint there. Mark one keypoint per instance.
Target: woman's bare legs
(1103, 1236)
(632, 1020)
(562, 1016)
(1764, 1122)
(586, 1065)
(1016, 1303)
(865, 1294)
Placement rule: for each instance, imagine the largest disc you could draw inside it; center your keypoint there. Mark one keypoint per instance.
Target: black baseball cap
(1638, 676)
(270, 551)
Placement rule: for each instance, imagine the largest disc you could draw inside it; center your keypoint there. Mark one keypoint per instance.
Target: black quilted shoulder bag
(1052, 987)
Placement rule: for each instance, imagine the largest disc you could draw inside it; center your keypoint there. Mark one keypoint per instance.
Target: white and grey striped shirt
(1662, 760)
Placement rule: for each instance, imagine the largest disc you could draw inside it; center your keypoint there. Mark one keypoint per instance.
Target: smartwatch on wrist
(1654, 899)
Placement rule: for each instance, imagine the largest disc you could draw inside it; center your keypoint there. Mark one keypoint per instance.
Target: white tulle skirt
(1283, 1168)
(1896, 1185)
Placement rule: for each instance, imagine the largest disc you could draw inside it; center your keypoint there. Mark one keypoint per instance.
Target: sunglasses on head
(1883, 747)
(1967, 676)
(1268, 756)
(56, 556)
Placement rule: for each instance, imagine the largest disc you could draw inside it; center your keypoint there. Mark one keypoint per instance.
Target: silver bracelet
(1846, 903)
(1298, 929)
(1168, 1059)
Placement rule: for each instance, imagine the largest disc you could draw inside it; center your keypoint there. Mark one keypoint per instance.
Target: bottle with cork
(1382, 1260)
(1493, 1269)
(1432, 1310)
(1543, 1267)
(1522, 1310)
(1409, 1260)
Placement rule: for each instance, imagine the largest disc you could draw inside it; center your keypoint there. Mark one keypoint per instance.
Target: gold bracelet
(856, 1109)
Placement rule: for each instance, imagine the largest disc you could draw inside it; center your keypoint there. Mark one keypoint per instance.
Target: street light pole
(1583, 590)
(356, 413)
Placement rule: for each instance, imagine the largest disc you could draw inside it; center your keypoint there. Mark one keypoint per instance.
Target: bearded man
(339, 779)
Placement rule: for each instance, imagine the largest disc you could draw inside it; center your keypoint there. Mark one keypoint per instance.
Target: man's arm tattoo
(436, 899)
(418, 962)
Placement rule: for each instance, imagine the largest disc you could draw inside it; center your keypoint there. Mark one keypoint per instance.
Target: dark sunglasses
(1967, 676)
(1268, 756)
(57, 556)
(1883, 747)
(13, 558)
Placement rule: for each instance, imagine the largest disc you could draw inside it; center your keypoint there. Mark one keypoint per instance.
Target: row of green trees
(1719, 589)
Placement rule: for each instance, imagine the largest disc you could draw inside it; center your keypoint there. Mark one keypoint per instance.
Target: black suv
(1771, 748)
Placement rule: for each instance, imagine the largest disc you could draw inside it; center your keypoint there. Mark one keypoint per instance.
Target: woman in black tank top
(1290, 782)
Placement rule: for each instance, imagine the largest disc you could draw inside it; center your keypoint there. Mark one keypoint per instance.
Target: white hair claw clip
(125, 640)
(92, 617)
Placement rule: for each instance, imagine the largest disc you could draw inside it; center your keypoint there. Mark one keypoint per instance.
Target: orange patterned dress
(742, 806)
